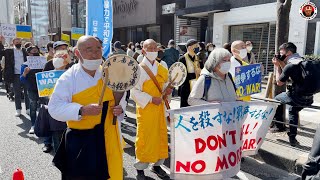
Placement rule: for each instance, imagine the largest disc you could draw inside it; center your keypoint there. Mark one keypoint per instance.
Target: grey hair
(215, 57)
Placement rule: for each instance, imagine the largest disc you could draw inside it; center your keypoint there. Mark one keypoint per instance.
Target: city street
(22, 150)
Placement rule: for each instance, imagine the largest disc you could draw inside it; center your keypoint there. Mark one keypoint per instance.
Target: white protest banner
(36, 62)
(208, 141)
(9, 30)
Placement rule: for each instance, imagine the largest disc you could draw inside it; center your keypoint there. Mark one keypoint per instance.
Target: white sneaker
(31, 131)
(28, 112)
(18, 113)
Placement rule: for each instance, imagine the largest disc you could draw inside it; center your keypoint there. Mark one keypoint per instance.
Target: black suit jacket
(8, 71)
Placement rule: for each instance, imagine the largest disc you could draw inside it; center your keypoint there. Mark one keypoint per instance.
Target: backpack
(207, 83)
(310, 84)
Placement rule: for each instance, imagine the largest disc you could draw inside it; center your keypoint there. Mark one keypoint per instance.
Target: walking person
(28, 78)
(14, 58)
(171, 55)
(90, 148)
(152, 135)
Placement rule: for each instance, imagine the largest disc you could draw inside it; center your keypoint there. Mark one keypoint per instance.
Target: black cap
(117, 45)
(191, 42)
(59, 43)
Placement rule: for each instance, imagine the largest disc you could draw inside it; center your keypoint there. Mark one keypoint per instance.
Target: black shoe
(293, 141)
(159, 172)
(277, 130)
(140, 175)
(47, 148)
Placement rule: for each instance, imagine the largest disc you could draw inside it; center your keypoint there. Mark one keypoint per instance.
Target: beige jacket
(220, 90)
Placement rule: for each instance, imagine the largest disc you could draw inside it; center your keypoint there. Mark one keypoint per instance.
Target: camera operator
(288, 64)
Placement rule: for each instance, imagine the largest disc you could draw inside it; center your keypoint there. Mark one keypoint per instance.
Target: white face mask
(91, 65)
(58, 62)
(210, 49)
(243, 53)
(151, 55)
(132, 47)
(225, 67)
(249, 48)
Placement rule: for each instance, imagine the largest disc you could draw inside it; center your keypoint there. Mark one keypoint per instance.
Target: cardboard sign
(248, 80)
(36, 62)
(9, 30)
(208, 141)
(46, 82)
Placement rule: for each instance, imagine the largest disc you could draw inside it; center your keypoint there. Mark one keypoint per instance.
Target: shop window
(262, 37)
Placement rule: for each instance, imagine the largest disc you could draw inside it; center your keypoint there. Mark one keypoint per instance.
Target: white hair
(215, 57)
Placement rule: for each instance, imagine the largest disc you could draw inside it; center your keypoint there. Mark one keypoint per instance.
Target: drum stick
(117, 98)
(105, 81)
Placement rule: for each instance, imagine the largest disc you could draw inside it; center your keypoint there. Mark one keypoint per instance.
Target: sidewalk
(276, 150)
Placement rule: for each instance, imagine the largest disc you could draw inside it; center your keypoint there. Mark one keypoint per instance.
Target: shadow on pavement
(25, 125)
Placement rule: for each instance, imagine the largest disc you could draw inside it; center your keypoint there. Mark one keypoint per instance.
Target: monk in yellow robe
(152, 137)
(91, 147)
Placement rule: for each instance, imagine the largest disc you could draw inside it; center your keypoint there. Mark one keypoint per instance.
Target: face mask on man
(151, 55)
(249, 48)
(243, 53)
(225, 67)
(132, 47)
(210, 49)
(58, 62)
(91, 65)
(18, 46)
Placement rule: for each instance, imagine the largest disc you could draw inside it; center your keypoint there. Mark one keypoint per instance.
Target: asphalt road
(18, 149)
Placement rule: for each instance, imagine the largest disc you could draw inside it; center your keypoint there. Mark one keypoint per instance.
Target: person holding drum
(90, 147)
(152, 137)
(193, 64)
(215, 83)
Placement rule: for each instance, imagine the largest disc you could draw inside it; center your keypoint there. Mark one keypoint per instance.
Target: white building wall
(7, 12)
(260, 14)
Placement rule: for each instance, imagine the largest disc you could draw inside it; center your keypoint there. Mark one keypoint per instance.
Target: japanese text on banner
(100, 22)
(248, 80)
(210, 140)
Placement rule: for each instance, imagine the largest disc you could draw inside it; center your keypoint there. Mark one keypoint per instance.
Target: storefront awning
(203, 11)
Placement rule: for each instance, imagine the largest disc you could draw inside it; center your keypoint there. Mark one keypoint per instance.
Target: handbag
(42, 124)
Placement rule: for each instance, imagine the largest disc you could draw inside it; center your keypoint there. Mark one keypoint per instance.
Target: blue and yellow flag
(24, 31)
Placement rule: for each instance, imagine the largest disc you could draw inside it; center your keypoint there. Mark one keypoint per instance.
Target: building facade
(60, 18)
(223, 21)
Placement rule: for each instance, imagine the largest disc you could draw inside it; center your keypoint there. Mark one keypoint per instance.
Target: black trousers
(312, 167)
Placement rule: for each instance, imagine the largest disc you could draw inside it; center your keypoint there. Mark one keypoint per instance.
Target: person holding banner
(14, 58)
(239, 51)
(191, 61)
(91, 147)
(215, 83)
(28, 77)
(152, 137)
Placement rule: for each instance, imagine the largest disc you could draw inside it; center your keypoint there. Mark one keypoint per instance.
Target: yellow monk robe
(112, 135)
(152, 137)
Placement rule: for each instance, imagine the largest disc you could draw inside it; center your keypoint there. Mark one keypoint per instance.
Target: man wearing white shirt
(14, 58)
(152, 138)
(91, 147)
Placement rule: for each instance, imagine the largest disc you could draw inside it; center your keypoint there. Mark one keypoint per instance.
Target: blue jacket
(171, 55)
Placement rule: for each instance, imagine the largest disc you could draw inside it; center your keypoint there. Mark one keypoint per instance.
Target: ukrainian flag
(24, 31)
